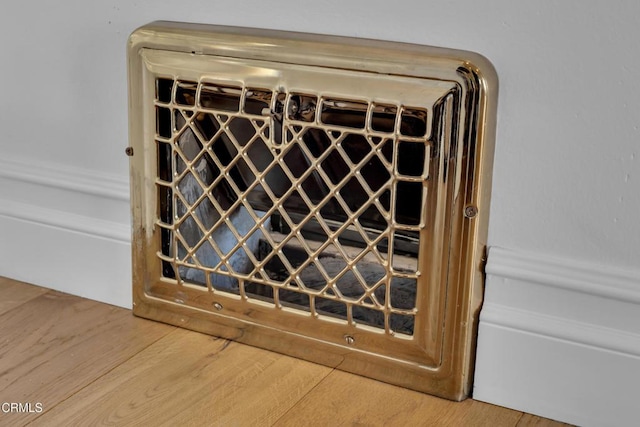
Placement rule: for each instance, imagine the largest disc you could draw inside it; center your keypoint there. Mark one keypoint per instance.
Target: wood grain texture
(192, 379)
(13, 293)
(89, 363)
(56, 344)
(344, 399)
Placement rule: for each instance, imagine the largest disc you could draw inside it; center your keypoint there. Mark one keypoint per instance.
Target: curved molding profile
(552, 327)
(559, 339)
(78, 183)
(66, 178)
(601, 281)
(66, 221)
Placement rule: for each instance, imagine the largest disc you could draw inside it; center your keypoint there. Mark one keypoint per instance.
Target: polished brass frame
(438, 357)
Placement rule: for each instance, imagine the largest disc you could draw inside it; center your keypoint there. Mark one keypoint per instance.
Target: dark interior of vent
(345, 113)
(413, 122)
(163, 122)
(384, 118)
(186, 93)
(217, 97)
(302, 107)
(164, 87)
(411, 158)
(257, 101)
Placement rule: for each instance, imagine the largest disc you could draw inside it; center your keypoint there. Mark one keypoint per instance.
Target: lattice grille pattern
(297, 199)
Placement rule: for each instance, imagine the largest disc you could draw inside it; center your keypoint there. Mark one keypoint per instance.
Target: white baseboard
(559, 339)
(68, 221)
(66, 229)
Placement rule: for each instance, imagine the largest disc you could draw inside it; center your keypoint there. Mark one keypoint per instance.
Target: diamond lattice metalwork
(276, 199)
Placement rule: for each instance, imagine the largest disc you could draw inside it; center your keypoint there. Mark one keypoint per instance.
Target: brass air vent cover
(319, 196)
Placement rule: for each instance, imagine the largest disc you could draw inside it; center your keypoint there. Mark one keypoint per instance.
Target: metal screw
(217, 306)
(470, 211)
(129, 151)
(349, 339)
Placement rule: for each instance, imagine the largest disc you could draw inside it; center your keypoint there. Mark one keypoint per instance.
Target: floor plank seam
(88, 384)
(19, 306)
(519, 419)
(293, 406)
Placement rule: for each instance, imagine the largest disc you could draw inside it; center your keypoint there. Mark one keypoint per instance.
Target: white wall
(566, 177)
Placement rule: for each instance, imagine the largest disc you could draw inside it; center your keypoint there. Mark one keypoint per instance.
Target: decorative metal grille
(296, 199)
(324, 206)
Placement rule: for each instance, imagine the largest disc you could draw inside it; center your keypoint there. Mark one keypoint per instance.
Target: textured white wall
(567, 170)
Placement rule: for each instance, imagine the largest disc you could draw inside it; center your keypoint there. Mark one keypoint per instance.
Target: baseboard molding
(597, 280)
(65, 177)
(562, 330)
(559, 339)
(67, 229)
(70, 222)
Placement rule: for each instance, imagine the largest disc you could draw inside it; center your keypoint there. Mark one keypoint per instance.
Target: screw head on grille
(470, 211)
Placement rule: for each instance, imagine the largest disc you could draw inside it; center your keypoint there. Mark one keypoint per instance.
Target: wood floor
(66, 360)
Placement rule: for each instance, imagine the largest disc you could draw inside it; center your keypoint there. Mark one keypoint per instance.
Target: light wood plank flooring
(70, 361)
